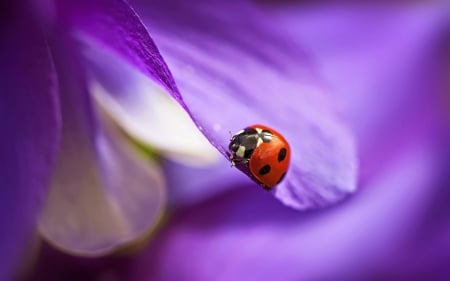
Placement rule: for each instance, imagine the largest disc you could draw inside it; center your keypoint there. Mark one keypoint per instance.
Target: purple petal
(103, 193)
(245, 236)
(30, 127)
(379, 58)
(233, 70)
(115, 25)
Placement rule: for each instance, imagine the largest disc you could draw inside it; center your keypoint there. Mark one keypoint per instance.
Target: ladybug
(262, 153)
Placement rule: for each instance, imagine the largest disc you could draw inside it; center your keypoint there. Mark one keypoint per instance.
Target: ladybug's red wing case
(270, 161)
(264, 152)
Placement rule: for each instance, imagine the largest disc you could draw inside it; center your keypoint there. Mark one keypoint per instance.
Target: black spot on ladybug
(264, 170)
(281, 178)
(282, 154)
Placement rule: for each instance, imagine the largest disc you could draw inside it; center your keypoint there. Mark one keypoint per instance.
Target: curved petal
(379, 58)
(234, 70)
(116, 25)
(137, 104)
(245, 236)
(30, 128)
(103, 193)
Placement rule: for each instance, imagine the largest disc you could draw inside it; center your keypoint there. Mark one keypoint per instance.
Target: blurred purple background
(386, 68)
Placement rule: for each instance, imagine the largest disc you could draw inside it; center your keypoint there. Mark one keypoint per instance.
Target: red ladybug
(261, 152)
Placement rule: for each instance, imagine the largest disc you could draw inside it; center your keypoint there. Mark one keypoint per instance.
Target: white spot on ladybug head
(241, 151)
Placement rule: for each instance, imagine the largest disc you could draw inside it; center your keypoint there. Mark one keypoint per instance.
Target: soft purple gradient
(30, 125)
(245, 236)
(190, 185)
(385, 67)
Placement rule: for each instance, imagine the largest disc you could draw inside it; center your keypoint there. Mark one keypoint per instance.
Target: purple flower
(302, 70)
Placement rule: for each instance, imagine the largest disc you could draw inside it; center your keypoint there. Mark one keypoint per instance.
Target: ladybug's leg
(230, 157)
(237, 161)
(265, 187)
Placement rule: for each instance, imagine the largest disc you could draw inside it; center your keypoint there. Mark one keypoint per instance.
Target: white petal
(104, 198)
(135, 102)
